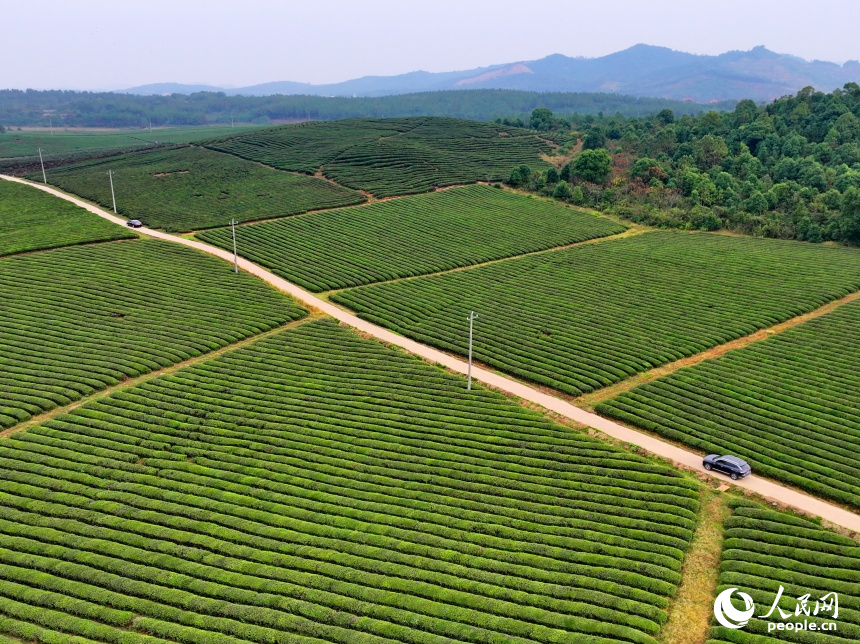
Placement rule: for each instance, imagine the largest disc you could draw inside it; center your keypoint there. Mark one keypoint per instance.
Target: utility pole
(472, 317)
(233, 223)
(112, 195)
(44, 178)
(51, 125)
(150, 126)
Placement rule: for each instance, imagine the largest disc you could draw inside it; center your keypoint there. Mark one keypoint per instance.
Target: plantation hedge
(318, 487)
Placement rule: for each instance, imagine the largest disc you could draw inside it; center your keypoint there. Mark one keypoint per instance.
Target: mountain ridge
(640, 70)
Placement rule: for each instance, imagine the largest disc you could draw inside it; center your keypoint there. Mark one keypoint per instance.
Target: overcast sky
(113, 44)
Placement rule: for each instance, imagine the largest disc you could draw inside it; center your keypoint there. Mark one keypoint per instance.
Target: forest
(60, 108)
(788, 169)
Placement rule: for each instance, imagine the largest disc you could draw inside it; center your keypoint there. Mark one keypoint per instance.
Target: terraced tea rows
(583, 318)
(33, 220)
(318, 487)
(76, 320)
(306, 147)
(440, 152)
(393, 156)
(765, 549)
(789, 405)
(192, 188)
(411, 236)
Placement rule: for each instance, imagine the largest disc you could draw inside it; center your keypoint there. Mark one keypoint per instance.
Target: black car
(134, 223)
(732, 465)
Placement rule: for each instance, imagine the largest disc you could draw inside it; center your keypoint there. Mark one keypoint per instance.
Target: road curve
(770, 490)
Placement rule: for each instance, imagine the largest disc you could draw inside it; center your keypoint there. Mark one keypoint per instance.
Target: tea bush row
(191, 188)
(764, 549)
(583, 318)
(389, 157)
(411, 236)
(79, 319)
(33, 220)
(788, 405)
(316, 486)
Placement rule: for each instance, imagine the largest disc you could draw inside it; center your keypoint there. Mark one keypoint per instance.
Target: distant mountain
(641, 70)
(170, 88)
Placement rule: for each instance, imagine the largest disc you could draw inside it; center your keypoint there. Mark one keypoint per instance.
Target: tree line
(108, 109)
(787, 169)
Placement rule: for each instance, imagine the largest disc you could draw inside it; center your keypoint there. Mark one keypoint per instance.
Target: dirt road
(769, 489)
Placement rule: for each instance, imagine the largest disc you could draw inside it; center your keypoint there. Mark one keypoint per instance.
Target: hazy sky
(112, 44)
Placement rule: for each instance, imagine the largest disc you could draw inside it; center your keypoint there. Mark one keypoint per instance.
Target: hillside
(641, 70)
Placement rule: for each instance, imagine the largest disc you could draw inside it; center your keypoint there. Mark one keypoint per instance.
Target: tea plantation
(765, 549)
(318, 487)
(76, 320)
(790, 405)
(306, 147)
(190, 188)
(393, 156)
(585, 317)
(410, 236)
(33, 220)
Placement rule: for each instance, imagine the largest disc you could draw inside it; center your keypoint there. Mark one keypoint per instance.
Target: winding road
(768, 489)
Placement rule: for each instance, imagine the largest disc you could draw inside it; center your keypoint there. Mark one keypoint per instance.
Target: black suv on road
(732, 465)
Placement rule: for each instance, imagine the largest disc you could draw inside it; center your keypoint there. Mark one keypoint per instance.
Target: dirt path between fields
(635, 229)
(590, 401)
(137, 380)
(681, 457)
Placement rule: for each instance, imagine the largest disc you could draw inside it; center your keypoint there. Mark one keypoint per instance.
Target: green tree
(593, 166)
(520, 176)
(666, 116)
(594, 139)
(710, 151)
(756, 204)
(562, 190)
(541, 119)
(850, 224)
(552, 176)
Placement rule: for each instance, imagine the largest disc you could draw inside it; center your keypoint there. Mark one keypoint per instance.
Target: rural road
(770, 490)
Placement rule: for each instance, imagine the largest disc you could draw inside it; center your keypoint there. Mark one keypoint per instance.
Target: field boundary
(630, 232)
(691, 610)
(591, 400)
(137, 380)
(684, 458)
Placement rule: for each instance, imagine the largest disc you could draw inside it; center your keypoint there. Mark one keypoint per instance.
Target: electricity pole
(472, 317)
(233, 223)
(112, 195)
(44, 178)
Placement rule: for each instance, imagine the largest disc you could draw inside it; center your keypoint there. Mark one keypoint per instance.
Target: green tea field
(315, 486)
(79, 319)
(189, 188)
(586, 317)
(764, 550)
(410, 236)
(393, 156)
(306, 147)
(32, 220)
(789, 405)
(64, 142)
